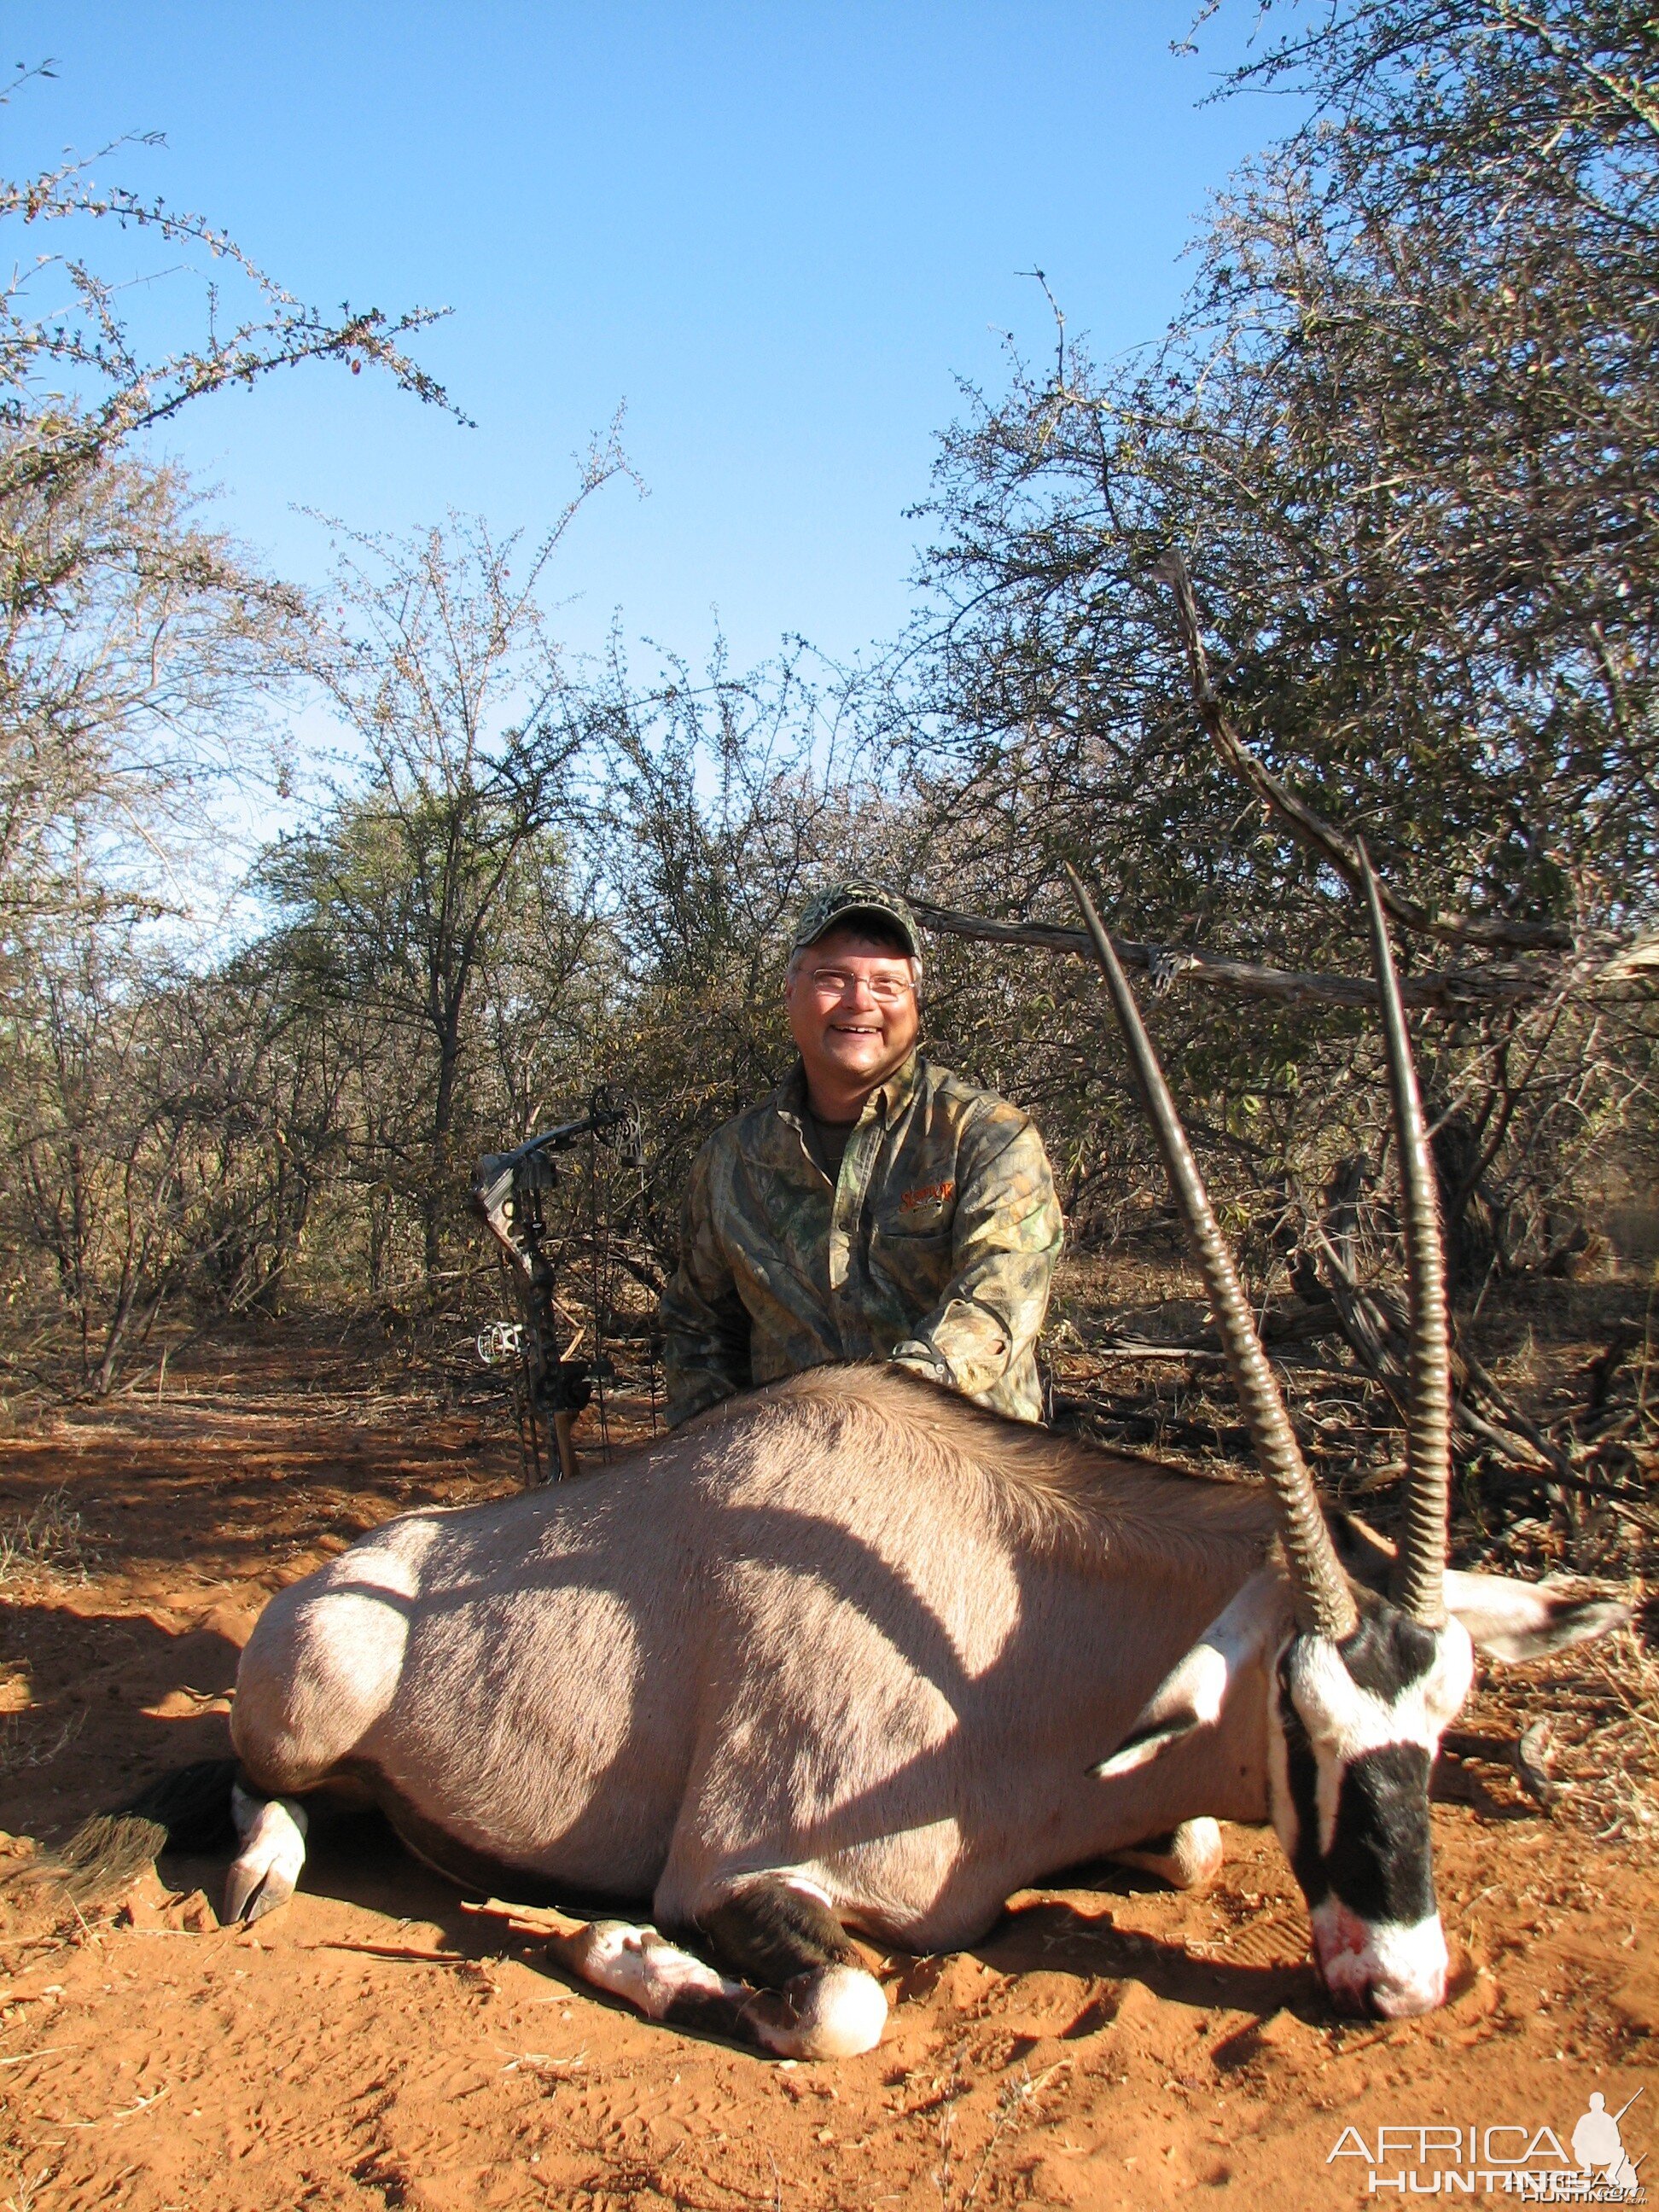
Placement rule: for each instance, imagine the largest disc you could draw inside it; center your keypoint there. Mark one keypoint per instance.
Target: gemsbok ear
(1511, 1621)
(1508, 1620)
(1192, 1694)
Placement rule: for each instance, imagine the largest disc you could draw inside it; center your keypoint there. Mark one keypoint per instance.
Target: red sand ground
(378, 2044)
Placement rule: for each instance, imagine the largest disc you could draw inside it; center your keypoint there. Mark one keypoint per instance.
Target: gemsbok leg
(780, 1932)
(321, 1669)
(1187, 1858)
(803, 1991)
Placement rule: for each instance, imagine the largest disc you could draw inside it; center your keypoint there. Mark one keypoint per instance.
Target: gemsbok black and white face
(1365, 1660)
(1353, 1726)
(1353, 1729)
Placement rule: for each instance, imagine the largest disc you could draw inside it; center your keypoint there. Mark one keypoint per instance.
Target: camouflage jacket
(935, 1247)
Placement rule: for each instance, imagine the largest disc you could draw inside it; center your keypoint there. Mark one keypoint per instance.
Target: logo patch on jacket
(928, 1194)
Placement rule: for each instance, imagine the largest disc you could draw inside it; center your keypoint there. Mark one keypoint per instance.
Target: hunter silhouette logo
(1596, 2142)
(1506, 2158)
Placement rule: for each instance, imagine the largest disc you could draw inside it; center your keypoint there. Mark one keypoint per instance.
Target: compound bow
(508, 1194)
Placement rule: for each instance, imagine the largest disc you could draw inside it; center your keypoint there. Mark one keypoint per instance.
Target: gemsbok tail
(186, 1809)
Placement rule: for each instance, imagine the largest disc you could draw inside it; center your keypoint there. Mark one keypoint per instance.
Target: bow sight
(508, 1194)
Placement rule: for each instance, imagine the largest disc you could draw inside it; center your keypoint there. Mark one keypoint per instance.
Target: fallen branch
(1129, 1347)
(399, 1953)
(543, 1920)
(1276, 1328)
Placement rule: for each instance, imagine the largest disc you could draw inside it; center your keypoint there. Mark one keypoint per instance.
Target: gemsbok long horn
(1324, 1603)
(1420, 1564)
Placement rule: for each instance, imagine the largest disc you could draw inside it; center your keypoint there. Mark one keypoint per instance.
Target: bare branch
(1455, 993)
(1332, 845)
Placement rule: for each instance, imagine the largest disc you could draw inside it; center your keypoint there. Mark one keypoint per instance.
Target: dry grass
(23, 1746)
(48, 1543)
(1603, 1751)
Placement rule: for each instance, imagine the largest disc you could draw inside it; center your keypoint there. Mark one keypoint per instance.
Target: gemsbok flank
(851, 1653)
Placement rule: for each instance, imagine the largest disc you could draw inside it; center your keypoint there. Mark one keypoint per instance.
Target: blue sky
(778, 233)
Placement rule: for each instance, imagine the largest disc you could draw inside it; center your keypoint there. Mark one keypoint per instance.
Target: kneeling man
(875, 1206)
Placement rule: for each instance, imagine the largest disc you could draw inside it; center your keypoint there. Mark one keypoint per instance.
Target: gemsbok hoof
(264, 1871)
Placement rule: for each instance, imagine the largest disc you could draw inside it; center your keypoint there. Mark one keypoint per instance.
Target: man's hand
(921, 1359)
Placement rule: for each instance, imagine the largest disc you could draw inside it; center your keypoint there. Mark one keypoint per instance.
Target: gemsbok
(850, 1653)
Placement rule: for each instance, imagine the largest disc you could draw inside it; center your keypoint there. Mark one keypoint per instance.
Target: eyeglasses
(840, 982)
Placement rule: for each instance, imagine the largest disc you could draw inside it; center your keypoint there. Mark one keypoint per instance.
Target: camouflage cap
(843, 903)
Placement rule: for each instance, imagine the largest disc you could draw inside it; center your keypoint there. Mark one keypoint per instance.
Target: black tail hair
(187, 1810)
(190, 1804)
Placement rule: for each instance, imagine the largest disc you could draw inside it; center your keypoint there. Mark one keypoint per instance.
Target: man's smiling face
(854, 1014)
